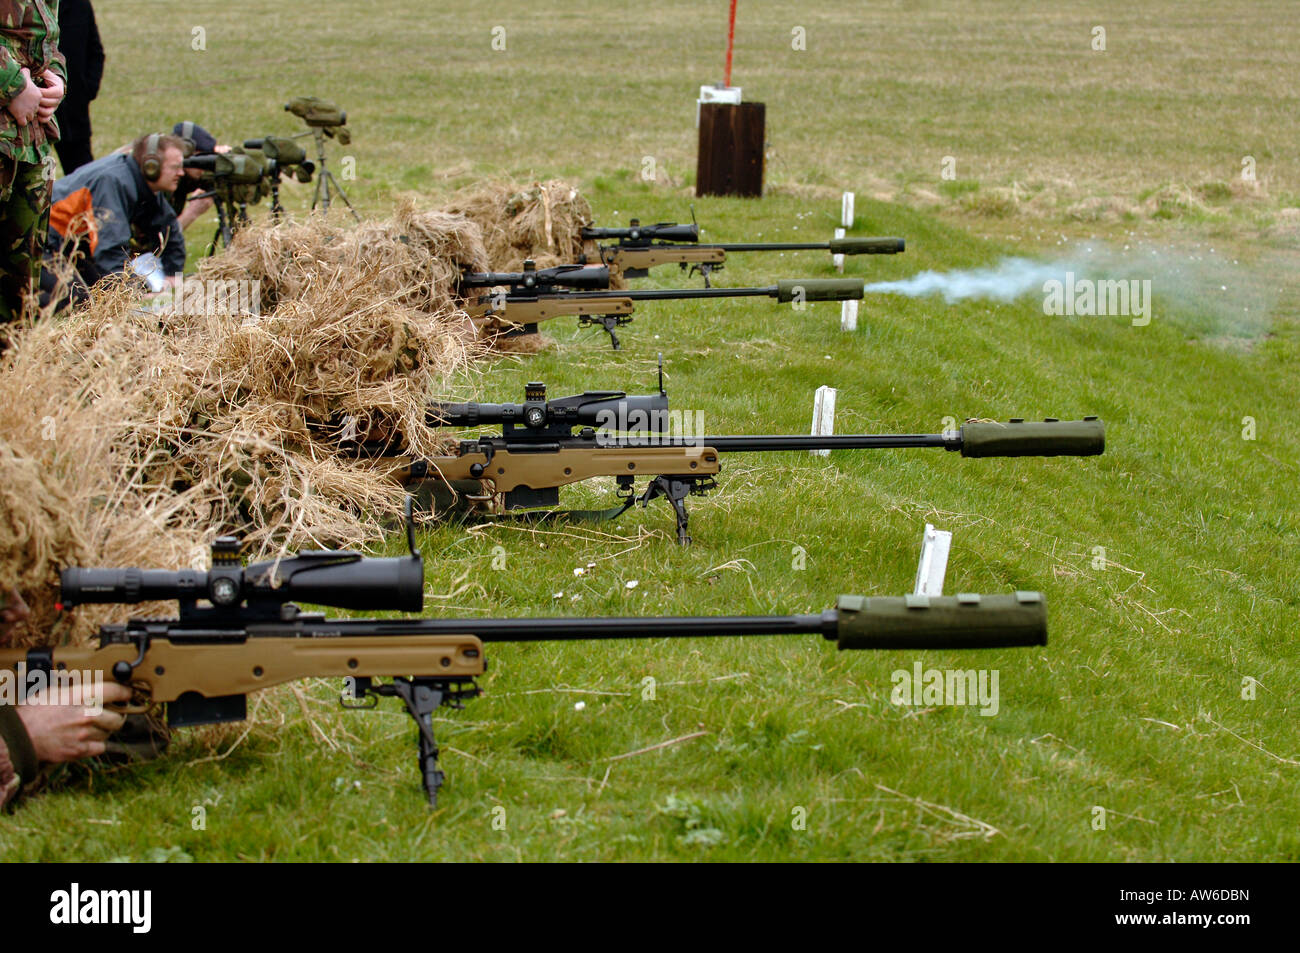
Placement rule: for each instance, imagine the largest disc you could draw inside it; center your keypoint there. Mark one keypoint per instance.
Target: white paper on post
(838, 259)
(716, 94)
(846, 210)
(930, 571)
(823, 423)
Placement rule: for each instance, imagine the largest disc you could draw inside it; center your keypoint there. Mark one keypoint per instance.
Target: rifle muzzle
(1048, 438)
(866, 246)
(964, 621)
(819, 289)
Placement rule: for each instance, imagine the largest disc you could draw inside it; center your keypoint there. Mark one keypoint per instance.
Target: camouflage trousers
(24, 220)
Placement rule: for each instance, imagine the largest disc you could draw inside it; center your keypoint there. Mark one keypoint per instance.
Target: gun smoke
(1194, 287)
(1006, 281)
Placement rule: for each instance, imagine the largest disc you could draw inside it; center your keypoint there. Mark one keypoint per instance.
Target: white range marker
(930, 571)
(849, 315)
(823, 423)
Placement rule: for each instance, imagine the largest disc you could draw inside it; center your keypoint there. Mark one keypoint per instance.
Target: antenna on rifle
(693, 222)
(662, 392)
(410, 526)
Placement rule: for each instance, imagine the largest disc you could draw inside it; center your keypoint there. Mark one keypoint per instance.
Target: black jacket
(79, 43)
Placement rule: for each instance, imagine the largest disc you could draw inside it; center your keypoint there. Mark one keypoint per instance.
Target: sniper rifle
(626, 437)
(639, 248)
(522, 299)
(250, 635)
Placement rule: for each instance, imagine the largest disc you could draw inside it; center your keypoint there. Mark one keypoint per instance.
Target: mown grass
(1169, 563)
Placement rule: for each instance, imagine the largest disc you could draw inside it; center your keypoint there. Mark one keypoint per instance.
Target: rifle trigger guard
(363, 697)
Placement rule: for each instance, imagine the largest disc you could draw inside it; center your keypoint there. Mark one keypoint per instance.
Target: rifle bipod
(675, 489)
(422, 697)
(608, 322)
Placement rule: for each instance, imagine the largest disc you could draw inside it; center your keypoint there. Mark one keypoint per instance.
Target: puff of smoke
(1198, 289)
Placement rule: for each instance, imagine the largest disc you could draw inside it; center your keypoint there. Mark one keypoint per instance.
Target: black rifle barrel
(750, 444)
(670, 294)
(842, 246)
(582, 629)
(964, 621)
(787, 290)
(770, 246)
(976, 438)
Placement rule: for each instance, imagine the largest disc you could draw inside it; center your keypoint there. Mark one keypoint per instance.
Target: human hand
(24, 106)
(69, 722)
(52, 94)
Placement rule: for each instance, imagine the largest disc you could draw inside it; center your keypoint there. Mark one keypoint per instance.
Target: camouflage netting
(413, 259)
(133, 437)
(38, 534)
(543, 222)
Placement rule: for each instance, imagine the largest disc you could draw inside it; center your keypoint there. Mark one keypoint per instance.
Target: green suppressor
(963, 621)
(1021, 438)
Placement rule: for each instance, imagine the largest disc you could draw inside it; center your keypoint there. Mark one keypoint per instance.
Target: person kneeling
(107, 212)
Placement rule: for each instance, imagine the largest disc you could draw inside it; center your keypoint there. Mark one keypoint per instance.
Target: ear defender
(151, 165)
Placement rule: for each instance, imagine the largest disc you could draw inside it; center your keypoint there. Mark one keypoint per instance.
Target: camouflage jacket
(29, 36)
(17, 757)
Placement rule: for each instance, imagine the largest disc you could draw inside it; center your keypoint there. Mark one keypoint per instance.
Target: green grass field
(1166, 694)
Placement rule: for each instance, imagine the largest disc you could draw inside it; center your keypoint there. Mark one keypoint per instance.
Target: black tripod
(325, 181)
(230, 218)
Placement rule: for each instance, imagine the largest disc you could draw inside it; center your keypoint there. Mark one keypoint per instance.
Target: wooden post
(731, 149)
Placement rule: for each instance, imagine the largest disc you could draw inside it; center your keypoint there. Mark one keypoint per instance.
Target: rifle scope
(593, 277)
(663, 231)
(602, 408)
(342, 579)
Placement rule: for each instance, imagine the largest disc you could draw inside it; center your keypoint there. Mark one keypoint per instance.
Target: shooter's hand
(70, 722)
